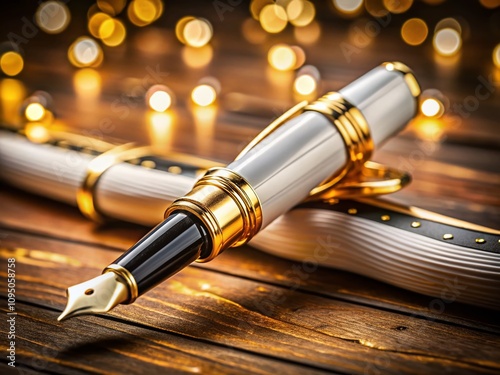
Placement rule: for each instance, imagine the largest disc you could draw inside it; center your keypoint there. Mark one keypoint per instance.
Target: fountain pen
(302, 154)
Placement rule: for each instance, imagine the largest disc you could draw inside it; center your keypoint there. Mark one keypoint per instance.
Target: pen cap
(387, 98)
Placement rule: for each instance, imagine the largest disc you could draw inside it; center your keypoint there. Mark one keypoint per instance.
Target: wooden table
(239, 313)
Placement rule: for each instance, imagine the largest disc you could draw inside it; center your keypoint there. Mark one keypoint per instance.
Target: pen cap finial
(387, 96)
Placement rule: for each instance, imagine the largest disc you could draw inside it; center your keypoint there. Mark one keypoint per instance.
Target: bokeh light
(95, 22)
(34, 112)
(282, 57)
(52, 17)
(447, 42)
(87, 83)
(449, 23)
(206, 92)
(197, 32)
(306, 82)
(159, 98)
(300, 12)
(431, 107)
(112, 32)
(490, 4)
(348, 6)
(414, 31)
(256, 7)
(37, 133)
(496, 56)
(376, 8)
(85, 52)
(144, 12)
(11, 63)
(112, 7)
(273, 18)
(398, 6)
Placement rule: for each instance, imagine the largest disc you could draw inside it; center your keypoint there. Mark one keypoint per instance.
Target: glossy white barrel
(308, 149)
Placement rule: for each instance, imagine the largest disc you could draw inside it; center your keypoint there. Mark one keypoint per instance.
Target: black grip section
(169, 247)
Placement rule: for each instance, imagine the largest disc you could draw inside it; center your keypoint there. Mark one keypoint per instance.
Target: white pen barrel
(285, 166)
(385, 98)
(298, 156)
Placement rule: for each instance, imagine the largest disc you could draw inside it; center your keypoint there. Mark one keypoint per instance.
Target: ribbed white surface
(388, 254)
(353, 244)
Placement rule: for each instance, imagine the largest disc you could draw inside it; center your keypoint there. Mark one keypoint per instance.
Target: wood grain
(267, 320)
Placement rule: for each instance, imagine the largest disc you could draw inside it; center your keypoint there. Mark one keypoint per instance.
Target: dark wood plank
(263, 319)
(96, 345)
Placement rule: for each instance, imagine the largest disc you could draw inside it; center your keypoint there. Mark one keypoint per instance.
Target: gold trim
(408, 75)
(420, 213)
(129, 279)
(86, 194)
(227, 205)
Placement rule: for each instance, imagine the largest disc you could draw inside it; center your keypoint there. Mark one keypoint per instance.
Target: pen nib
(97, 295)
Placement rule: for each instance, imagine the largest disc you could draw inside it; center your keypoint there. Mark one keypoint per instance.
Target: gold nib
(97, 295)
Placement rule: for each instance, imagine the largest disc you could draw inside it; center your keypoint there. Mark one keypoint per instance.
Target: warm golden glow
(197, 32)
(376, 8)
(496, 56)
(87, 83)
(449, 23)
(112, 7)
(159, 98)
(52, 17)
(308, 34)
(34, 112)
(414, 31)
(12, 94)
(428, 129)
(144, 12)
(273, 18)
(305, 85)
(95, 22)
(197, 57)
(37, 133)
(85, 52)
(398, 6)
(203, 95)
(282, 57)
(300, 12)
(112, 32)
(447, 42)
(11, 63)
(490, 4)
(348, 6)
(160, 129)
(256, 7)
(179, 28)
(431, 107)
(252, 31)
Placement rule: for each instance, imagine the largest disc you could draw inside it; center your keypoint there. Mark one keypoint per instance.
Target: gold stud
(447, 236)
(174, 169)
(352, 211)
(480, 240)
(385, 217)
(150, 164)
(416, 224)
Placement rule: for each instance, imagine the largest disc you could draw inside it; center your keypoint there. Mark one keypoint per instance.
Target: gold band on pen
(227, 205)
(86, 195)
(129, 279)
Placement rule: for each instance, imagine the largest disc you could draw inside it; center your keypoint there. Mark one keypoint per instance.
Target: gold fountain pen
(307, 153)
